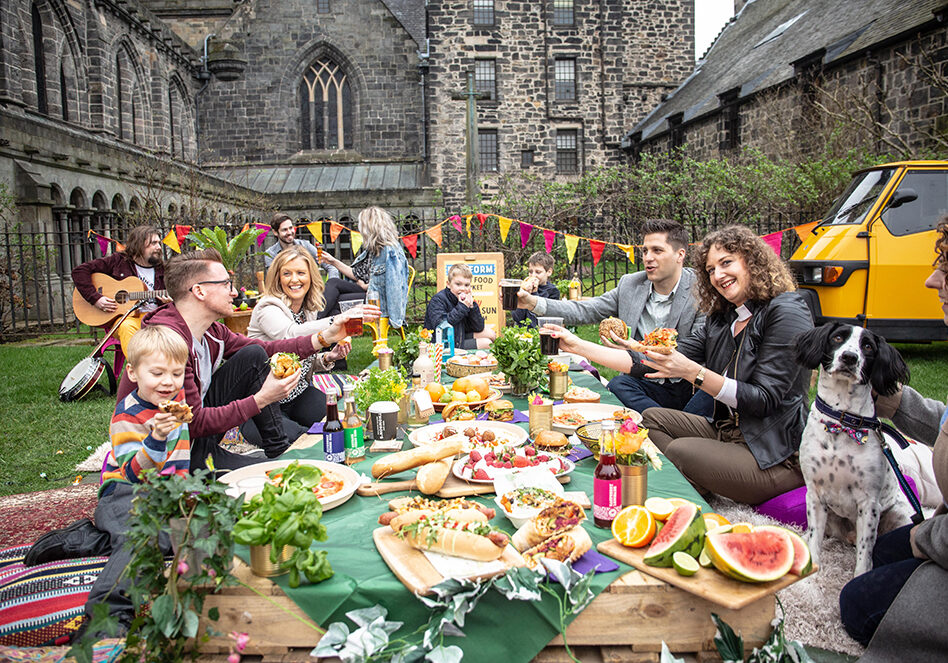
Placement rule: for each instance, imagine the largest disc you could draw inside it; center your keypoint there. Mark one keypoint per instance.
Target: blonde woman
(380, 267)
(293, 297)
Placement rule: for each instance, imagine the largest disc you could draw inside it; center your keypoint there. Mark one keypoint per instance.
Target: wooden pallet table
(641, 611)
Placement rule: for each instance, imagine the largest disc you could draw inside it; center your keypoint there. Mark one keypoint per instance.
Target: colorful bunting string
(316, 230)
(504, 224)
(525, 230)
(596, 247)
(434, 234)
(411, 243)
(774, 241)
(549, 236)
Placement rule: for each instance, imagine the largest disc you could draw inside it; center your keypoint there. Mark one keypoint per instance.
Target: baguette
(431, 477)
(406, 460)
(434, 532)
(566, 547)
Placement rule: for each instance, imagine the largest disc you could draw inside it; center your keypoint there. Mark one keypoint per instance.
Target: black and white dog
(845, 471)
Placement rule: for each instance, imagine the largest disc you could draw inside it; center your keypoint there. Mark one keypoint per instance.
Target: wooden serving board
(453, 487)
(412, 567)
(709, 584)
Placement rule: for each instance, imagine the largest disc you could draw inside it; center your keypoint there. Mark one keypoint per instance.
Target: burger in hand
(500, 410)
(614, 325)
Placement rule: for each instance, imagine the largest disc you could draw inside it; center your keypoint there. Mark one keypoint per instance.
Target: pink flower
(537, 400)
(629, 426)
(212, 573)
(241, 639)
(183, 567)
(233, 658)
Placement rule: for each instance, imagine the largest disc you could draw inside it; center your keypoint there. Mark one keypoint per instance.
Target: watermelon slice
(802, 562)
(759, 556)
(683, 532)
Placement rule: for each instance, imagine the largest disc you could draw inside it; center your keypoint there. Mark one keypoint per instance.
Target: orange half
(634, 526)
(715, 520)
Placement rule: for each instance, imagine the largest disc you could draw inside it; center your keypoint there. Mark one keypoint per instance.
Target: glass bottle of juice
(416, 416)
(607, 479)
(353, 431)
(334, 442)
(423, 366)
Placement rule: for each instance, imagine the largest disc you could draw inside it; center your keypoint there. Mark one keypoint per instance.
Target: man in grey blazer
(658, 296)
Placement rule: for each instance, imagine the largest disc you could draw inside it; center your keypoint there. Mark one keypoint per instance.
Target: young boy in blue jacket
(456, 305)
(539, 270)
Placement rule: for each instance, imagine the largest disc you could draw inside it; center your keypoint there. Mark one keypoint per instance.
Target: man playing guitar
(140, 259)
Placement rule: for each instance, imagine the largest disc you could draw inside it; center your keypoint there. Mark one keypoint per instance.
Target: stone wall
(627, 54)
(257, 119)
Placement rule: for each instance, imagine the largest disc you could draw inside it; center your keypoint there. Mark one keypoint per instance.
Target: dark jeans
(111, 516)
(298, 416)
(239, 377)
(336, 291)
(641, 394)
(864, 601)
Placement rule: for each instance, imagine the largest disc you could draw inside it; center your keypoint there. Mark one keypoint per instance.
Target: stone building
(792, 77)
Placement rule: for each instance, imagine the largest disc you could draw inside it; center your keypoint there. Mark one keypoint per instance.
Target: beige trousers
(714, 465)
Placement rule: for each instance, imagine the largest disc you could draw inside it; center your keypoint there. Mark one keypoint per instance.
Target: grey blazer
(627, 301)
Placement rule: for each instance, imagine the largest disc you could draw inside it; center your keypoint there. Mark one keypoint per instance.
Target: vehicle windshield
(852, 206)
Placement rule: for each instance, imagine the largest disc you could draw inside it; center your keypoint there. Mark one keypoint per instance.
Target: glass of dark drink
(508, 290)
(549, 344)
(354, 326)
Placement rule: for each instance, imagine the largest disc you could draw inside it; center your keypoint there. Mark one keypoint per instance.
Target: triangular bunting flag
(171, 240)
(805, 229)
(262, 236)
(316, 230)
(629, 251)
(356, 239)
(774, 241)
(411, 243)
(456, 222)
(246, 227)
(334, 230)
(482, 218)
(549, 236)
(572, 241)
(504, 224)
(119, 247)
(467, 223)
(596, 247)
(103, 244)
(525, 230)
(434, 234)
(180, 232)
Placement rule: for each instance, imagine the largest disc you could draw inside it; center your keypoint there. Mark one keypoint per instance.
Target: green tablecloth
(497, 629)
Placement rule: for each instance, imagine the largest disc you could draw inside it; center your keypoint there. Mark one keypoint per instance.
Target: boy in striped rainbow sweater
(143, 438)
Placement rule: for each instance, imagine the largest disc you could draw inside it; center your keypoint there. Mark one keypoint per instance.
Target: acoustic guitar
(126, 294)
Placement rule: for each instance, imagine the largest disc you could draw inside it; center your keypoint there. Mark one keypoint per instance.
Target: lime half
(685, 564)
(703, 559)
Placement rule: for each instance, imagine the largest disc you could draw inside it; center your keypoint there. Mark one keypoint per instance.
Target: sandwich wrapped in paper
(566, 547)
(555, 519)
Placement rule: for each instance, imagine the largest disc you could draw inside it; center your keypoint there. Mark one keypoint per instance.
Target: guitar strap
(109, 370)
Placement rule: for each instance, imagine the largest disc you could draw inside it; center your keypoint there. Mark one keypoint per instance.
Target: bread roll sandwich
(438, 533)
(566, 547)
(500, 410)
(614, 325)
(560, 516)
(284, 364)
(552, 441)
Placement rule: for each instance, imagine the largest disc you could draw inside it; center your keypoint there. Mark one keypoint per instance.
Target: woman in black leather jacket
(742, 358)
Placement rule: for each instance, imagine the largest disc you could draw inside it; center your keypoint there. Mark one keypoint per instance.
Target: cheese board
(417, 573)
(707, 583)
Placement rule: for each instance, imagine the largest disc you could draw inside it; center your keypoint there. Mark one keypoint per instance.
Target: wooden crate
(641, 612)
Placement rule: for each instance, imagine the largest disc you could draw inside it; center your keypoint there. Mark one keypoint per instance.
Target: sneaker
(80, 539)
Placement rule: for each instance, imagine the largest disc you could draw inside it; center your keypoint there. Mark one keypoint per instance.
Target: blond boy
(456, 305)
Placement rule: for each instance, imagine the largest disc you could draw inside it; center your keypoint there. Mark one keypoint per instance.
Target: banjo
(85, 375)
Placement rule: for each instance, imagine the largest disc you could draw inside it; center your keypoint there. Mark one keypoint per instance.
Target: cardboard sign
(488, 270)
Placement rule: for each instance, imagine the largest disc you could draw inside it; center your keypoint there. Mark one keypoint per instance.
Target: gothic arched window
(325, 107)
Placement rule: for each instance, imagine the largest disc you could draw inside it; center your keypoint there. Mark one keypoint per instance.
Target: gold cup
(559, 382)
(385, 359)
(634, 484)
(260, 563)
(541, 417)
(574, 293)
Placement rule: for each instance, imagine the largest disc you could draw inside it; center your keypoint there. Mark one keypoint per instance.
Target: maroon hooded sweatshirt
(223, 343)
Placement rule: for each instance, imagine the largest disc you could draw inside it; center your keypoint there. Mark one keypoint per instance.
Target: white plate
(251, 479)
(589, 411)
(512, 432)
(461, 462)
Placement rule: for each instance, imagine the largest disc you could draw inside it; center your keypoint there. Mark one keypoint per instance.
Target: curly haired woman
(742, 358)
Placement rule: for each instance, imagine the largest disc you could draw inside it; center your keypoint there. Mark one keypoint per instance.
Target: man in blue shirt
(285, 231)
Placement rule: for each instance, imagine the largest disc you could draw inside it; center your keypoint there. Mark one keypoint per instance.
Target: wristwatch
(699, 379)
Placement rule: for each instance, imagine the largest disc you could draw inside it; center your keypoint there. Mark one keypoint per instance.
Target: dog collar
(859, 435)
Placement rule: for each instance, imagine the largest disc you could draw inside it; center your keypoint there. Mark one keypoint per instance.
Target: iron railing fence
(36, 287)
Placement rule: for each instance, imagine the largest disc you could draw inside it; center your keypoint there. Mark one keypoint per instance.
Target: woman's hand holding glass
(341, 351)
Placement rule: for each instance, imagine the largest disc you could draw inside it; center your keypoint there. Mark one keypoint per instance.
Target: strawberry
(530, 451)
(543, 458)
(475, 456)
(520, 461)
(508, 465)
(481, 475)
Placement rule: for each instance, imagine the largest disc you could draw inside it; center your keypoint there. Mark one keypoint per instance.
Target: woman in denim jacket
(388, 268)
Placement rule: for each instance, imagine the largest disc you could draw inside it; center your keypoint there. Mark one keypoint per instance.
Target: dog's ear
(810, 346)
(888, 369)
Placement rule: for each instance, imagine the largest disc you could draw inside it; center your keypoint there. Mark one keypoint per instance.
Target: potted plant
(379, 385)
(170, 599)
(517, 351)
(282, 522)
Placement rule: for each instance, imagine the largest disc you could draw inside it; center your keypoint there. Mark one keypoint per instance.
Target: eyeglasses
(228, 282)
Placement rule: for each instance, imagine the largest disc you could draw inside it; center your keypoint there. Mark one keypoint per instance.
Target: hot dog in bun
(426, 530)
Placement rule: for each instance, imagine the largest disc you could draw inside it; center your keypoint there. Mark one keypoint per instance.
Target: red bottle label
(607, 498)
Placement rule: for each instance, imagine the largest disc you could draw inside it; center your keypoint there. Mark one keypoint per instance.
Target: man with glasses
(223, 394)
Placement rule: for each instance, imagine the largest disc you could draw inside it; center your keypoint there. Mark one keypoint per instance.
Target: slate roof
(326, 178)
(757, 48)
(411, 14)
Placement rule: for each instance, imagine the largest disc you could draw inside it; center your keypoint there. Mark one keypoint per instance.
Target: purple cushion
(790, 508)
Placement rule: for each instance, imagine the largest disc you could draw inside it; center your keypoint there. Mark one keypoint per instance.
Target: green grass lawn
(40, 434)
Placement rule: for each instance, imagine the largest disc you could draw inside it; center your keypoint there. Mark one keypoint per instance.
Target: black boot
(80, 539)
